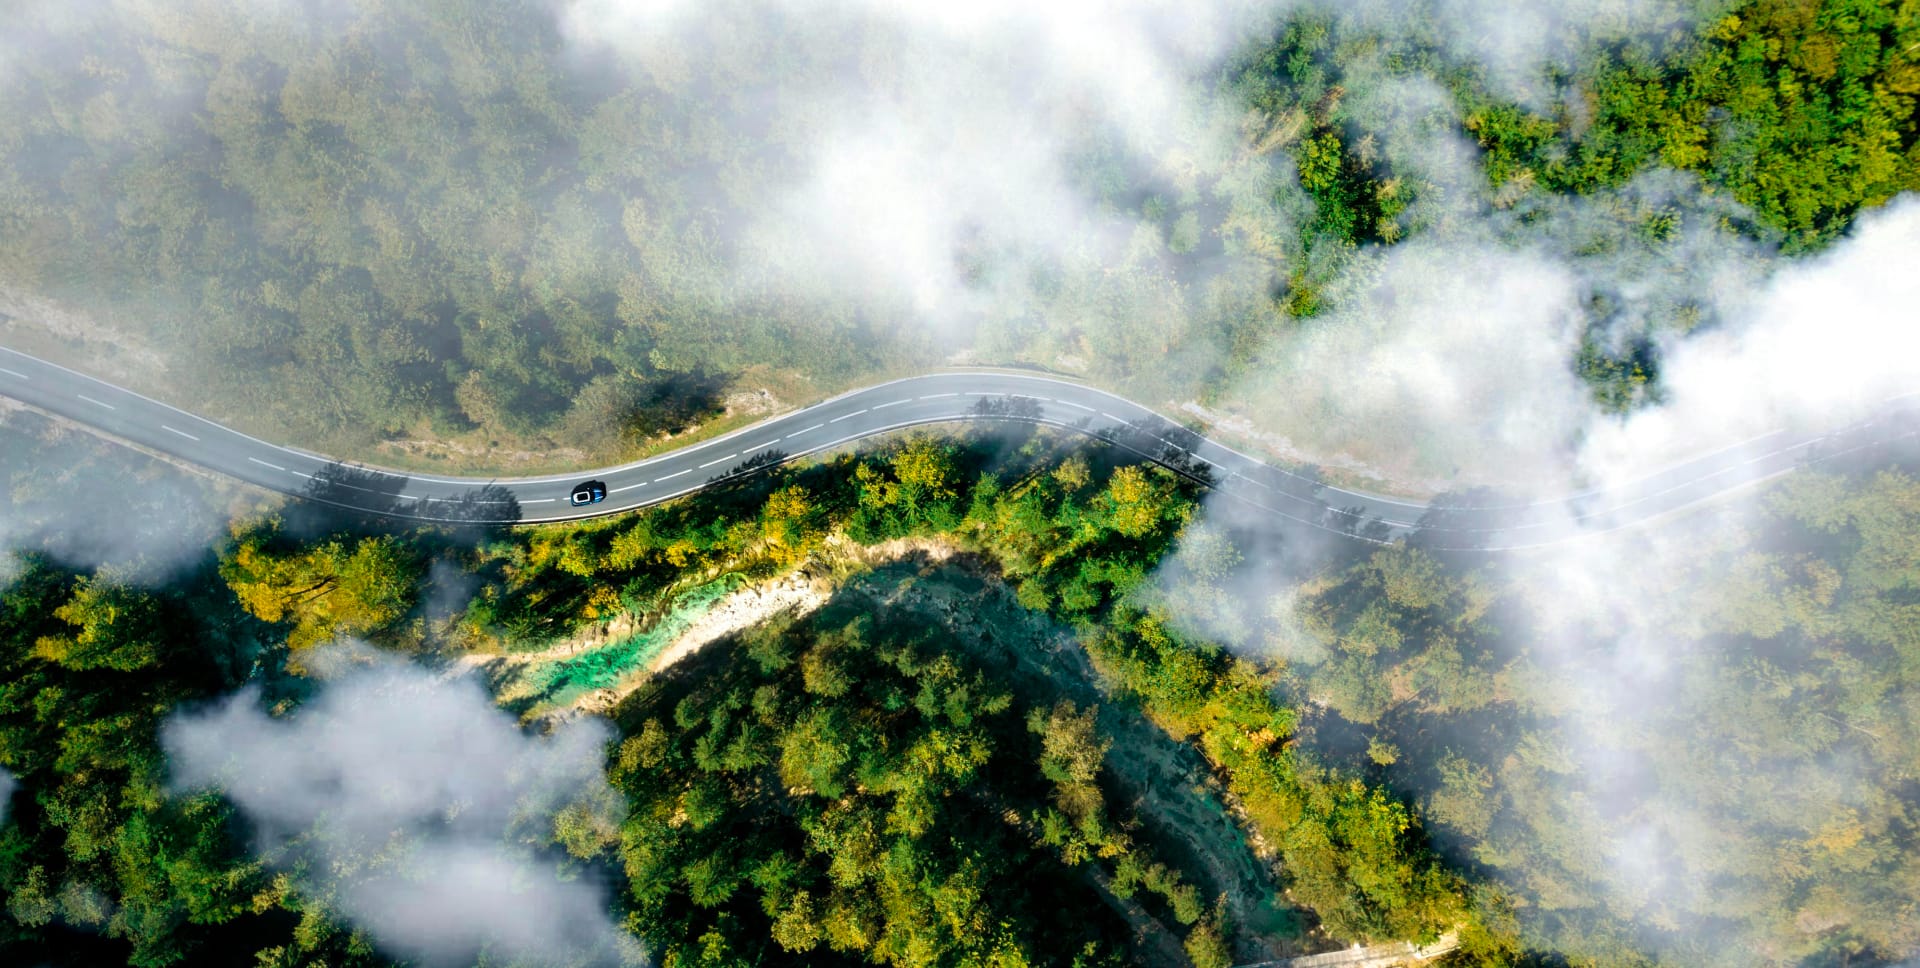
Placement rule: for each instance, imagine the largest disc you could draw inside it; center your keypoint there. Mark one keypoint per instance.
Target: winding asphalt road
(1471, 523)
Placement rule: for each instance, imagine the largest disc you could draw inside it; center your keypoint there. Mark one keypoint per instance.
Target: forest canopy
(859, 782)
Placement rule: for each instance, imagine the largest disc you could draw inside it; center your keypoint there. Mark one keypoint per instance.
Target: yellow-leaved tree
(325, 589)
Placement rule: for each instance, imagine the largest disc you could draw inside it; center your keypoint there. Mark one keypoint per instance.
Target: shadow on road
(1354, 521)
(342, 497)
(1008, 407)
(755, 463)
(1165, 443)
(1459, 521)
(742, 488)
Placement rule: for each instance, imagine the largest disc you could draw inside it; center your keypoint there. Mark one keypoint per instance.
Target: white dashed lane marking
(889, 403)
(675, 474)
(719, 461)
(806, 431)
(180, 432)
(262, 463)
(1075, 406)
(936, 396)
(856, 413)
(97, 403)
(17, 373)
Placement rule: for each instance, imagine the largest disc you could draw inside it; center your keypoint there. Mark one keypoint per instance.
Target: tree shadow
(1002, 427)
(482, 513)
(670, 403)
(1353, 521)
(1457, 521)
(742, 488)
(1165, 443)
(347, 499)
(755, 463)
(1007, 407)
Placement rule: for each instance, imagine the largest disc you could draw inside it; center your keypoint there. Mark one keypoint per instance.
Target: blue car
(591, 492)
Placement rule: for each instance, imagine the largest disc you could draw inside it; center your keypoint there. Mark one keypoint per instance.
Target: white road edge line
(1683, 467)
(180, 432)
(806, 431)
(262, 463)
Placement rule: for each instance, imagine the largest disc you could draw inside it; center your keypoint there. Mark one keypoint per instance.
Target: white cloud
(1512, 40)
(1824, 342)
(152, 521)
(941, 154)
(388, 755)
(1454, 362)
(455, 898)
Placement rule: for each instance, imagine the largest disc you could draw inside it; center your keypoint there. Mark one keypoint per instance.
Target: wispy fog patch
(1450, 360)
(1131, 62)
(1234, 576)
(420, 806)
(951, 163)
(89, 504)
(1525, 47)
(1454, 363)
(928, 213)
(449, 588)
(459, 898)
(1820, 344)
(7, 786)
(1823, 342)
(1054, 182)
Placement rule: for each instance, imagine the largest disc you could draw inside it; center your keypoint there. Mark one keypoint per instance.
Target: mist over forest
(1467, 252)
